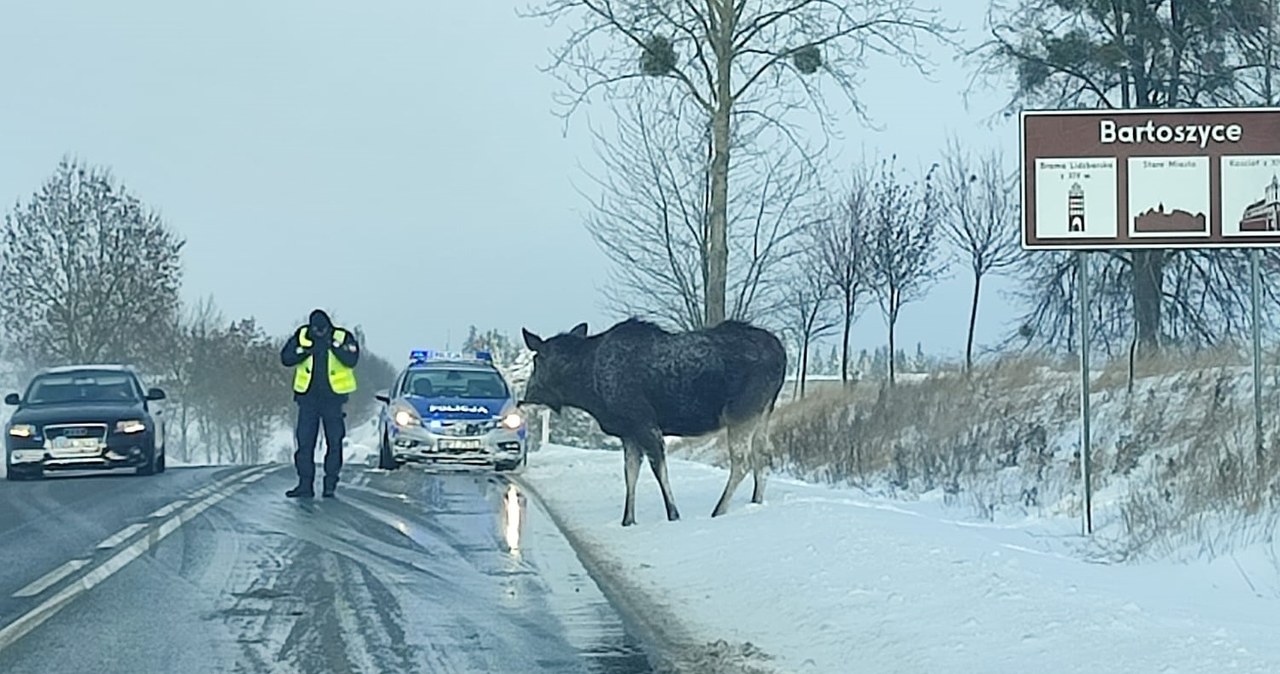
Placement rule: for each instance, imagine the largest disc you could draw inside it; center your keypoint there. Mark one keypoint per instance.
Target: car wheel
(149, 467)
(160, 463)
(14, 474)
(385, 460)
(506, 466)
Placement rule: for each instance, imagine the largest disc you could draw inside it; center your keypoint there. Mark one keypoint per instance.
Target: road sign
(1150, 178)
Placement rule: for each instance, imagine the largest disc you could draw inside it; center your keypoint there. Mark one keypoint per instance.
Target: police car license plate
(460, 444)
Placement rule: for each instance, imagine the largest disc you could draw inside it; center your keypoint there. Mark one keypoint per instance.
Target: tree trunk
(1148, 274)
(973, 322)
(893, 354)
(804, 364)
(186, 425)
(844, 353)
(717, 238)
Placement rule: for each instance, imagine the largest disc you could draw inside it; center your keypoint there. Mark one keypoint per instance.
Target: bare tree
(257, 394)
(1205, 300)
(980, 218)
(903, 261)
(810, 312)
(734, 62)
(841, 246)
(374, 373)
(1245, 56)
(87, 273)
(651, 213)
(180, 352)
(1161, 54)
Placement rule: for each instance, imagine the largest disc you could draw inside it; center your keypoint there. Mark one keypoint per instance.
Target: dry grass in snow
(1174, 469)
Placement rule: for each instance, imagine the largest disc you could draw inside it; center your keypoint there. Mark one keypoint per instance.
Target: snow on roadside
(830, 580)
(361, 444)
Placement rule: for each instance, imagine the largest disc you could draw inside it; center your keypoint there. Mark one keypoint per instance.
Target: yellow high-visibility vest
(342, 379)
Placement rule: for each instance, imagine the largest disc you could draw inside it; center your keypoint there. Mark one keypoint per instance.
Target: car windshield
(73, 387)
(455, 383)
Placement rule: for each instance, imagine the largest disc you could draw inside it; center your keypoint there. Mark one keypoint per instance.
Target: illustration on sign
(1251, 195)
(1169, 196)
(1075, 208)
(1076, 198)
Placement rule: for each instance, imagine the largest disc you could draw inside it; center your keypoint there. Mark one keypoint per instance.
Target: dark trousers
(311, 413)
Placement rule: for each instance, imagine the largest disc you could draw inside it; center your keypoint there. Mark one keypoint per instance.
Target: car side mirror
(156, 394)
(383, 396)
(13, 399)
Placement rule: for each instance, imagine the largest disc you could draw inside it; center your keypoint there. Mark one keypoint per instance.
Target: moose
(642, 383)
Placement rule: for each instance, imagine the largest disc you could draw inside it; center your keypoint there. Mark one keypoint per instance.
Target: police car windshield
(442, 382)
(78, 387)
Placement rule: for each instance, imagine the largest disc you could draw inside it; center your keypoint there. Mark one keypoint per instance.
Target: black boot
(303, 490)
(329, 487)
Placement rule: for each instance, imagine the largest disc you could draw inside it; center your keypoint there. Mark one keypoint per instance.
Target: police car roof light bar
(424, 355)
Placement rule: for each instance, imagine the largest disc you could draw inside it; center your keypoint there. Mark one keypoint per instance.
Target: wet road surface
(213, 570)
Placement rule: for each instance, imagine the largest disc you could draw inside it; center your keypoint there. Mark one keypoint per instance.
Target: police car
(450, 407)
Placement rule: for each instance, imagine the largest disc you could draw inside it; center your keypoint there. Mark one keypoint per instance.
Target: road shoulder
(670, 642)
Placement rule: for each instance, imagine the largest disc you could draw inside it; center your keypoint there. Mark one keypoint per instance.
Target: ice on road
(406, 571)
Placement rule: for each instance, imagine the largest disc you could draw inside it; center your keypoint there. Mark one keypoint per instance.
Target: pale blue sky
(365, 156)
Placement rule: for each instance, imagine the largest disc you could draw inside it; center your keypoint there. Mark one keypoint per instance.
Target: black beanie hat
(319, 320)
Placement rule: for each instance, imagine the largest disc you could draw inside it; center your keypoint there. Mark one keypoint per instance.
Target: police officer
(332, 353)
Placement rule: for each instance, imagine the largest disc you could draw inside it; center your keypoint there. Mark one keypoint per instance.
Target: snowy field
(831, 580)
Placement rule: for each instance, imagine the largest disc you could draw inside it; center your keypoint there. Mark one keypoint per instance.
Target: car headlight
(22, 430)
(131, 426)
(512, 421)
(406, 417)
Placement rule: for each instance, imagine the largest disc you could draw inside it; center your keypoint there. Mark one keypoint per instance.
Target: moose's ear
(531, 340)
(579, 330)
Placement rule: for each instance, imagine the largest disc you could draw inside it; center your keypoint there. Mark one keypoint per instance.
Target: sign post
(1086, 443)
(1255, 293)
(1150, 179)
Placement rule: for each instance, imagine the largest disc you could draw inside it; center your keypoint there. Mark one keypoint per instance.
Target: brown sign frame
(1168, 150)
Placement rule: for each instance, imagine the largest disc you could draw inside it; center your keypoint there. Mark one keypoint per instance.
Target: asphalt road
(213, 570)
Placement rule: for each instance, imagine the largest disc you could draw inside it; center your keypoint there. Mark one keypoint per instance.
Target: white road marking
(50, 607)
(121, 536)
(50, 579)
(207, 489)
(168, 509)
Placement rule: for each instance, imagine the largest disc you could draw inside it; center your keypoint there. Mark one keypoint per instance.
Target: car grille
(466, 428)
(74, 431)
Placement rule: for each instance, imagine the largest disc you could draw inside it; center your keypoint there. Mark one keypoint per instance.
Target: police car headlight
(406, 416)
(512, 421)
(22, 430)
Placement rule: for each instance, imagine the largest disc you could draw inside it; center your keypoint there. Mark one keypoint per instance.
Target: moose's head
(554, 364)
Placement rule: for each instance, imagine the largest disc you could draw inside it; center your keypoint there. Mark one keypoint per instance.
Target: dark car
(86, 417)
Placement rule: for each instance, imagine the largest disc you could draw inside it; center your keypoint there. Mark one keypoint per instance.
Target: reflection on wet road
(405, 572)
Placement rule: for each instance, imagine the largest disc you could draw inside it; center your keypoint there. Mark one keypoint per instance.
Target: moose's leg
(737, 469)
(761, 451)
(632, 457)
(656, 449)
